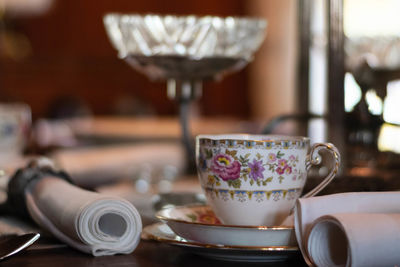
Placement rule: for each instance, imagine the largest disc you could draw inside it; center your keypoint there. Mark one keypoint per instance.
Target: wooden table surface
(148, 253)
(155, 127)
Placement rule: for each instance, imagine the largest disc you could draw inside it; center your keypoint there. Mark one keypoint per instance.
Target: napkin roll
(358, 239)
(349, 229)
(88, 221)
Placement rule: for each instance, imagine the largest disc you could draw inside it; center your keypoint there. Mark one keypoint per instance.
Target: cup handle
(314, 158)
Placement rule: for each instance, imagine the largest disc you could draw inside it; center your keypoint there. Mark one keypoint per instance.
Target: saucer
(162, 233)
(199, 223)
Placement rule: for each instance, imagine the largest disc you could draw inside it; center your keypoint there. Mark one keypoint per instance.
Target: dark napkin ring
(22, 179)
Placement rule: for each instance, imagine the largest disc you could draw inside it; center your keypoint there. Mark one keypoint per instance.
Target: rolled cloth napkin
(349, 229)
(88, 221)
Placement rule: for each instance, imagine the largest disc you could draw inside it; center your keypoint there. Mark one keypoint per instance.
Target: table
(148, 253)
(151, 128)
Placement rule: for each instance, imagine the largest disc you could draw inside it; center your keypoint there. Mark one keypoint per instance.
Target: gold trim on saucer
(168, 219)
(146, 235)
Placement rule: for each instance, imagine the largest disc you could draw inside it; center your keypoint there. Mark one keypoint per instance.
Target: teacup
(256, 179)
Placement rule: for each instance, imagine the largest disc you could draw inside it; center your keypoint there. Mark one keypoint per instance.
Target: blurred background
(327, 69)
(57, 52)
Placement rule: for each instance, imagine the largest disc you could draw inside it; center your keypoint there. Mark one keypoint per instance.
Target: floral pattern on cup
(257, 195)
(259, 171)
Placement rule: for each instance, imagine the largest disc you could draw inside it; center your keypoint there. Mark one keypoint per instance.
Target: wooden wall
(272, 75)
(71, 56)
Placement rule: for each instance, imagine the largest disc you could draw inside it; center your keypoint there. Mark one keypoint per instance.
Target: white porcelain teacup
(256, 179)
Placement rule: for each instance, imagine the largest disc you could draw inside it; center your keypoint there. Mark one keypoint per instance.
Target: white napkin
(349, 229)
(88, 221)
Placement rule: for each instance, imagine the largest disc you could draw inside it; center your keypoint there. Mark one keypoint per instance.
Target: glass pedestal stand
(184, 92)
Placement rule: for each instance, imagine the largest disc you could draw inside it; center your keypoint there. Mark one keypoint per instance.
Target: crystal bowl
(184, 47)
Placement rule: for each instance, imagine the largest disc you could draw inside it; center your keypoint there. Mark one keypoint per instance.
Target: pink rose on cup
(280, 170)
(282, 163)
(226, 167)
(288, 170)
